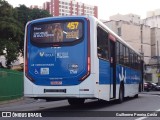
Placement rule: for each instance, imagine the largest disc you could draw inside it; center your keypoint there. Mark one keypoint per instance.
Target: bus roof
(91, 17)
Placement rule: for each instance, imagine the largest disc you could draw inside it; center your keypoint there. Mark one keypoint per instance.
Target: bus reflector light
(89, 64)
(26, 66)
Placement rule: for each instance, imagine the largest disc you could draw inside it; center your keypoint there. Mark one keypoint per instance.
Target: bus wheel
(76, 101)
(136, 96)
(48, 100)
(121, 94)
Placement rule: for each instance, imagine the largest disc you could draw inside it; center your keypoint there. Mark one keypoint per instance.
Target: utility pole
(142, 61)
(158, 65)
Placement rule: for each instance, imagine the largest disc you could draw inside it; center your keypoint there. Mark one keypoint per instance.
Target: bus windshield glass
(59, 32)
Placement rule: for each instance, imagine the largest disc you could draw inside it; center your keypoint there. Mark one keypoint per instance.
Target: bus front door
(112, 69)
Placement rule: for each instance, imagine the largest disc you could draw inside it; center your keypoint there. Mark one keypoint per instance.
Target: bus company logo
(41, 54)
(122, 75)
(62, 55)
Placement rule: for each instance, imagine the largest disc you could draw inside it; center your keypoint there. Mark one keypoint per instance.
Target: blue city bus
(78, 58)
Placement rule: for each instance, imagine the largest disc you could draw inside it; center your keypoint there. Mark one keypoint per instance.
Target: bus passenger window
(121, 59)
(139, 62)
(117, 52)
(131, 59)
(102, 44)
(127, 57)
(99, 52)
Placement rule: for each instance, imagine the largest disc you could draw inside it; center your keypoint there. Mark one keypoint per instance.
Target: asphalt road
(92, 109)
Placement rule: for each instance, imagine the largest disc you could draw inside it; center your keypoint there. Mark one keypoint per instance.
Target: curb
(149, 93)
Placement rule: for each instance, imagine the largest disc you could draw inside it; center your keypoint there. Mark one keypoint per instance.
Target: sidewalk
(17, 102)
(151, 92)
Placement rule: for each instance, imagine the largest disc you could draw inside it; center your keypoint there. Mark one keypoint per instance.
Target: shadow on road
(89, 109)
(88, 105)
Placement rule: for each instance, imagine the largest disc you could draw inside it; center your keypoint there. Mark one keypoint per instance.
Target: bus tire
(136, 96)
(121, 94)
(48, 100)
(76, 101)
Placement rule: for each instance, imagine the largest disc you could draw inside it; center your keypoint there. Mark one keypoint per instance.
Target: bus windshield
(59, 32)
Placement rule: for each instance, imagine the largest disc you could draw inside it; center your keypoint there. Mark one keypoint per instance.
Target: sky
(107, 8)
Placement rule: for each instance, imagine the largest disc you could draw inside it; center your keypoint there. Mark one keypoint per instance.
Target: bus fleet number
(72, 25)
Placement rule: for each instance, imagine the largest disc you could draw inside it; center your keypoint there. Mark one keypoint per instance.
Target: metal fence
(11, 84)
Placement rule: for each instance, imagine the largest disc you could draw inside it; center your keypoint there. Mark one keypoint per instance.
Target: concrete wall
(152, 21)
(131, 34)
(155, 36)
(146, 43)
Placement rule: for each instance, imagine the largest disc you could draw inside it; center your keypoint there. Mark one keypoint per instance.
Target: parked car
(158, 87)
(155, 87)
(147, 86)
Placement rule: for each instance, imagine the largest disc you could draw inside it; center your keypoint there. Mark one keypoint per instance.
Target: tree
(10, 32)
(12, 28)
(24, 15)
(38, 13)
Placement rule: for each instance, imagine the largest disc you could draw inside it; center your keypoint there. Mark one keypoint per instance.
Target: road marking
(141, 118)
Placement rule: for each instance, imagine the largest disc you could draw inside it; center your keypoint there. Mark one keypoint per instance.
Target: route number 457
(72, 25)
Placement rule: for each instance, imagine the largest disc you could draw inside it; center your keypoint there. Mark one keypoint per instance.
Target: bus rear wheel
(76, 101)
(136, 96)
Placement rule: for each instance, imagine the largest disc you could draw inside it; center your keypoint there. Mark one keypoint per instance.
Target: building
(71, 7)
(143, 36)
(152, 69)
(68, 7)
(132, 18)
(153, 19)
(155, 42)
(136, 35)
(46, 6)
(35, 6)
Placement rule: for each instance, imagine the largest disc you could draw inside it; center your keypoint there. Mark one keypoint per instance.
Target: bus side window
(121, 59)
(117, 52)
(127, 56)
(136, 61)
(102, 44)
(139, 62)
(132, 60)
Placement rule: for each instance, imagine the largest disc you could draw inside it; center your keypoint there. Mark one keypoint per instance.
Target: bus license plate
(56, 82)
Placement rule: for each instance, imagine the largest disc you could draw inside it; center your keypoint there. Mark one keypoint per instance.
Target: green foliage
(24, 15)
(5, 9)
(37, 13)
(12, 28)
(10, 32)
